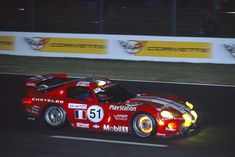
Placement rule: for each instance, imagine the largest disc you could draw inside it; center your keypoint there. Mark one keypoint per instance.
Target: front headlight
(187, 120)
(190, 106)
(167, 114)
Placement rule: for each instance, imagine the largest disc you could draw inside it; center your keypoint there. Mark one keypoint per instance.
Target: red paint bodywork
(36, 102)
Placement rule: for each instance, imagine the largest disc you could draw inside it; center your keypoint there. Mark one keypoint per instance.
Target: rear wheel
(55, 116)
(144, 125)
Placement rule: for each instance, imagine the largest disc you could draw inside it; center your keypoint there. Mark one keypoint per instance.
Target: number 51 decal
(94, 113)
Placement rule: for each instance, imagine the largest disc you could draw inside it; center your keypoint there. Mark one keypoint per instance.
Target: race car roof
(97, 81)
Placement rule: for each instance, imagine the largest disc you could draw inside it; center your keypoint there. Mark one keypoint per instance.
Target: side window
(79, 93)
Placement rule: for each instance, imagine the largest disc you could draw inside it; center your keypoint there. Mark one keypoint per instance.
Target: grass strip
(117, 69)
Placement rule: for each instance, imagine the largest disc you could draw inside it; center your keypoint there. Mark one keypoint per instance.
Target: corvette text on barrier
(103, 105)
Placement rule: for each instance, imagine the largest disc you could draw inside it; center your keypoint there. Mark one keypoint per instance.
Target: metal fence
(203, 18)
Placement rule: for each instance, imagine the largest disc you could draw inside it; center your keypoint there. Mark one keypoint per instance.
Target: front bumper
(188, 130)
(185, 125)
(182, 131)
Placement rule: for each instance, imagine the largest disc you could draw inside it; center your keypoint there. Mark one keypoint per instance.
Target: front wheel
(144, 125)
(55, 116)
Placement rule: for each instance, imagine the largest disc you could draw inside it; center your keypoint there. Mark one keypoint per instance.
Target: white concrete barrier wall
(123, 47)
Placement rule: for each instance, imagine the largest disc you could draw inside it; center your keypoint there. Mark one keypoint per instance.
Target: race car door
(87, 114)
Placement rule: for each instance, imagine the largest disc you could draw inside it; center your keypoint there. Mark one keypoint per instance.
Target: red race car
(103, 105)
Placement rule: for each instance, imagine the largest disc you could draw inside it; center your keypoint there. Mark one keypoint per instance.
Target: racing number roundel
(95, 113)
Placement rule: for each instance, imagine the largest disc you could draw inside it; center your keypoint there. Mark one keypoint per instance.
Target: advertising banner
(119, 47)
(7, 43)
(230, 48)
(168, 48)
(67, 45)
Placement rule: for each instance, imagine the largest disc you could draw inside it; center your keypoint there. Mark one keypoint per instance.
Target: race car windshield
(114, 94)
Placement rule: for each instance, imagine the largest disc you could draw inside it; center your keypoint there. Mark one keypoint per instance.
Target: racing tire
(144, 125)
(55, 116)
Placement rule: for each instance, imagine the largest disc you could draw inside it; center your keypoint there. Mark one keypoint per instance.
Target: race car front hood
(160, 103)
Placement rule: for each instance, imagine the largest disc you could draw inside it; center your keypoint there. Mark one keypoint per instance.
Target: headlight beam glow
(187, 120)
(190, 106)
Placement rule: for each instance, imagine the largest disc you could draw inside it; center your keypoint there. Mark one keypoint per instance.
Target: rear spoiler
(39, 79)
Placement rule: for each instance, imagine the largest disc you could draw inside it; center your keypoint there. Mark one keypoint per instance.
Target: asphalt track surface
(20, 137)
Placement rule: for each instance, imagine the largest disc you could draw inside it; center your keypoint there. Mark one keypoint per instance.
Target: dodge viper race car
(103, 105)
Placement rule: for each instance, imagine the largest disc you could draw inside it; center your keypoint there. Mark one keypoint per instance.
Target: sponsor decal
(68, 45)
(168, 49)
(37, 43)
(7, 43)
(121, 117)
(96, 126)
(80, 114)
(132, 46)
(97, 90)
(122, 108)
(77, 106)
(230, 48)
(160, 134)
(109, 85)
(95, 113)
(174, 118)
(83, 83)
(115, 128)
(168, 129)
(48, 100)
(82, 125)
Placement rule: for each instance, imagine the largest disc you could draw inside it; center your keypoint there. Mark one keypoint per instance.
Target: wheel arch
(48, 105)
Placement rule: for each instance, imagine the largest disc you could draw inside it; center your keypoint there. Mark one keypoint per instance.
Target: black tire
(55, 116)
(144, 125)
